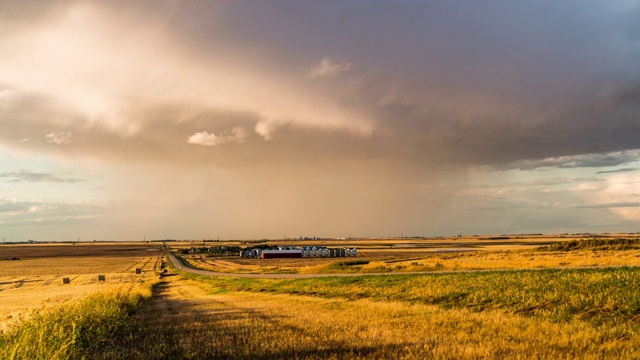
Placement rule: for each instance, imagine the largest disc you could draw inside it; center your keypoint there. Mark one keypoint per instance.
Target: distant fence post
(101, 278)
(66, 281)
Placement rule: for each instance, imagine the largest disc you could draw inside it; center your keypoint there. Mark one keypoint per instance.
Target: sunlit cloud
(236, 135)
(63, 138)
(419, 118)
(327, 68)
(111, 89)
(621, 193)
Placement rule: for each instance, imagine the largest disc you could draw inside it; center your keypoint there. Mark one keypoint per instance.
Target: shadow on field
(174, 326)
(339, 351)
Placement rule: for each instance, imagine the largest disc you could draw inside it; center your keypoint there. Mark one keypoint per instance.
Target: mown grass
(73, 330)
(186, 320)
(594, 295)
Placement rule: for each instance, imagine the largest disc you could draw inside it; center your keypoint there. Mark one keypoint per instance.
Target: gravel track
(178, 265)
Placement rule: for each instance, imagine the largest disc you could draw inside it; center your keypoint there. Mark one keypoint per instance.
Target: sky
(270, 119)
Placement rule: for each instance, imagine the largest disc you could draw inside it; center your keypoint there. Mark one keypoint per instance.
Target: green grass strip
(596, 295)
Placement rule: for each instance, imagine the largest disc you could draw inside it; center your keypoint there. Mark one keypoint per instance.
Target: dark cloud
(444, 83)
(612, 205)
(597, 160)
(629, 95)
(419, 93)
(617, 171)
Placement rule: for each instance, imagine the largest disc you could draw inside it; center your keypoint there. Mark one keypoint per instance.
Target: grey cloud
(617, 171)
(510, 84)
(492, 83)
(29, 214)
(630, 25)
(627, 95)
(28, 176)
(12, 207)
(579, 161)
(595, 160)
(612, 205)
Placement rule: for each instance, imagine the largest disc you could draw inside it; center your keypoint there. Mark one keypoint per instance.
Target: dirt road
(185, 321)
(178, 265)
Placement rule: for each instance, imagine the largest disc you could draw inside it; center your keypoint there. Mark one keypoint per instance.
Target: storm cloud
(323, 107)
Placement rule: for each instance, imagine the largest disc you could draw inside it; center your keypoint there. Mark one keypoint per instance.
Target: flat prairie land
(567, 299)
(33, 251)
(439, 316)
(391, 262)
(429, 254)
(35, 281)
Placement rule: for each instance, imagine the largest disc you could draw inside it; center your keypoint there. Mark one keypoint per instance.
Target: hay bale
(101, 278)
(138, 271)
(66, 281)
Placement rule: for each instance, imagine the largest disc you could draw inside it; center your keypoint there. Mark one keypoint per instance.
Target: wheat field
(36, 283)
(569, 304)
(204, 320)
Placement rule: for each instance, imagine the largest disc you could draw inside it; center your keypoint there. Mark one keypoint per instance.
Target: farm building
(273, 254)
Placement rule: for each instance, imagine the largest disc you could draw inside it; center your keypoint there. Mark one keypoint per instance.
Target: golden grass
(36, 283)
(421, 262)
(200, 321)
(74, 329)
(527, 259)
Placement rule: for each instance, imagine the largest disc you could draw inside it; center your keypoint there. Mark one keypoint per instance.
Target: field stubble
(36, 283)
(203, 320)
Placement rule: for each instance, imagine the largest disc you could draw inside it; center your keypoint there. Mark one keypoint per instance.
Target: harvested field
(36, 280)
(443, 313)
(202, 320)
(83, 250)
